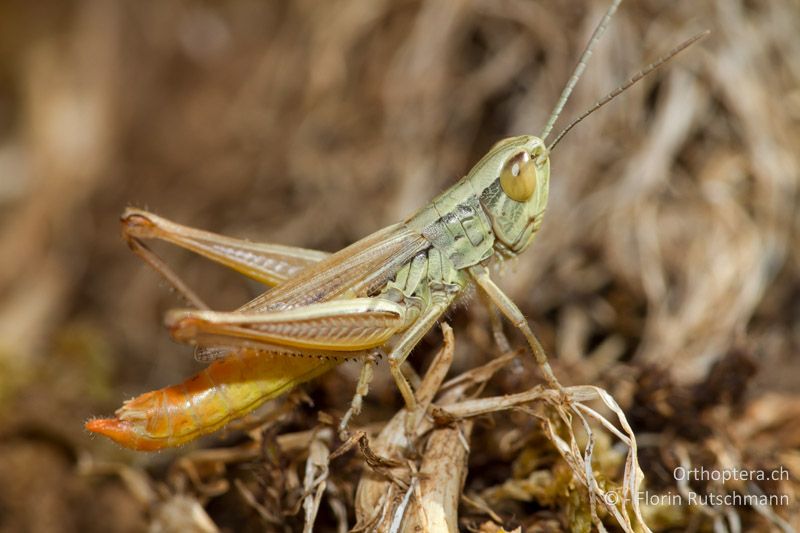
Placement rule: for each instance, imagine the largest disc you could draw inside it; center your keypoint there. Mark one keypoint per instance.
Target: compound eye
(518, 177)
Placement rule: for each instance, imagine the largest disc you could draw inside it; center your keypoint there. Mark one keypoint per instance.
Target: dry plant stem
(483, 406)
(445, 457)
(434, 378)
(432, 498)
(288, 443)
(579, 461)
(376, 498)
(476, 376)
(478, 503)
(442, 474)
(314, 483)
(444, 465)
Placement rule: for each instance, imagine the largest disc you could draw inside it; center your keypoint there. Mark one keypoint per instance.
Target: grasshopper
(380, 295)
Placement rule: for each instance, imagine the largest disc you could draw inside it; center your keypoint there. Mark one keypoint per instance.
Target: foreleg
(481, 277)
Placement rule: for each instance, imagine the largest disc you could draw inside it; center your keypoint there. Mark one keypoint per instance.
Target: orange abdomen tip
(123, 433)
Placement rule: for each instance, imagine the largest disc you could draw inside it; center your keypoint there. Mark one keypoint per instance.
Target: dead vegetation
(666, 272)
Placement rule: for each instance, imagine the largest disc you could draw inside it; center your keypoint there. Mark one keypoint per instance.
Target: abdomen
(228, 389)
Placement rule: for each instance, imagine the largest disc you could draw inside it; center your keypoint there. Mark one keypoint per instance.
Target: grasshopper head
(513, 182)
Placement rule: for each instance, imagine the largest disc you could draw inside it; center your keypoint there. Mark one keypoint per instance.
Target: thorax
(456, 225)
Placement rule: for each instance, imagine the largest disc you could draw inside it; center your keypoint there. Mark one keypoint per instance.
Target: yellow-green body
(474, 219)
(323, 309)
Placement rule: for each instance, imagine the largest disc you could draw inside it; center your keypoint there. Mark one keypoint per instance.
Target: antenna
(576, 75)
(633, 79)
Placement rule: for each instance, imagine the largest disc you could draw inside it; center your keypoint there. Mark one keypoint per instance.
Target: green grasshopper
(379, 295)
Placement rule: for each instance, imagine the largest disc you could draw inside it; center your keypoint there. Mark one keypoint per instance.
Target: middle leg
(440, 301)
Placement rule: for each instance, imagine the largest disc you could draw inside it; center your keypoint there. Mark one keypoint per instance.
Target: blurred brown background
(666, 271)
